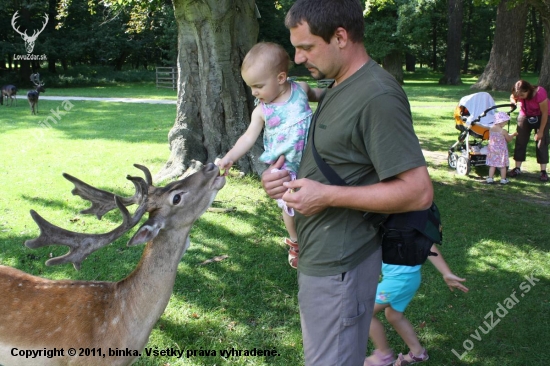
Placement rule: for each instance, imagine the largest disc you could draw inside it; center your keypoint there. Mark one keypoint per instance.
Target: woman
(533, 115)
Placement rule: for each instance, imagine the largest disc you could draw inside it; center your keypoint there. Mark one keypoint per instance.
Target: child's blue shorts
(399, 290)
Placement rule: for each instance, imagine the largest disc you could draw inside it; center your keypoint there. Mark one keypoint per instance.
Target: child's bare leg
(290, 227)
(405, 329)
(503, 173)
(491, 171)
(292, 241)
(377, 335)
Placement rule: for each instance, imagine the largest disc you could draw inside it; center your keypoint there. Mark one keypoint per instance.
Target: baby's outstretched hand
(454, 281)
(224, 164)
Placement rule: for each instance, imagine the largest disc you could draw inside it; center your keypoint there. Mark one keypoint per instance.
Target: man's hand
(307, 196)
(273, 182)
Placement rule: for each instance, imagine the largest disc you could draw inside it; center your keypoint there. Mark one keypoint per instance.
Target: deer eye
(176, 199)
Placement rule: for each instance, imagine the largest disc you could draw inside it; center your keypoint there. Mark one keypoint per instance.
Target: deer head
(29, 40)
(39, 85)
(161, 203)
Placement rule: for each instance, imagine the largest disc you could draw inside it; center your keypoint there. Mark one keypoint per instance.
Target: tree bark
(410, 62)
(504, 67)
(393, 63)
(467, 38)
(451, 75)
(543, 8)
(213, 107)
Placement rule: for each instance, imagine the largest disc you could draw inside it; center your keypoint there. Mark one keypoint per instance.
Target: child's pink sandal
(415, 359)
(378, 359)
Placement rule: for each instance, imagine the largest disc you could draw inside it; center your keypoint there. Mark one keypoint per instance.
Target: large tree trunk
(393, 63)
(213, 107)
(468, 38)
(451, 75)
(544, 9)
(504, 67)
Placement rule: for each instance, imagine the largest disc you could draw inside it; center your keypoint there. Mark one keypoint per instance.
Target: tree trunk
(393, 63)
(544, 76)
(434, 47)
(213, 107)
(410, 62)
(504, 67)
(468, 38)
(543, 8)
(451, 75)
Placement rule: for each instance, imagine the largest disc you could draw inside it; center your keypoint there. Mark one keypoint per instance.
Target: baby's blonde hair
(273, 56)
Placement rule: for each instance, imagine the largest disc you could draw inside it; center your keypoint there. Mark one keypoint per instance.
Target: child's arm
(449, 277)
(313, 94)
(509, 137)
(246, 141)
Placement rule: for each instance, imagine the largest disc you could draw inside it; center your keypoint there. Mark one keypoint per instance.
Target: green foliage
(93, 33)
(407, 26)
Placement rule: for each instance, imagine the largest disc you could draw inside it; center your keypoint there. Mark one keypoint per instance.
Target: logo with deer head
(29, 40)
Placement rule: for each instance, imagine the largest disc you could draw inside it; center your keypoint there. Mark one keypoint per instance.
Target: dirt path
(118, 100)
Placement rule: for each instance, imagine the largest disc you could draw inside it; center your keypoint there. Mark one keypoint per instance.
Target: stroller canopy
(476, 104)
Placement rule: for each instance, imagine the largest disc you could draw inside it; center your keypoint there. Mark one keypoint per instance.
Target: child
(398, 287)
(497, 150)
(283, 109)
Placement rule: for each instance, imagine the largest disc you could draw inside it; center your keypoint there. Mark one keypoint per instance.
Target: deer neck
(147, 290)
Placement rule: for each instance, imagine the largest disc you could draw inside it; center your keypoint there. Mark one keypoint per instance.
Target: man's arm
(408, 191)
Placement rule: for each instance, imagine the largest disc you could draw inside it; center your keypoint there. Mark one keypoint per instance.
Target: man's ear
(341, 36)
(147, 232)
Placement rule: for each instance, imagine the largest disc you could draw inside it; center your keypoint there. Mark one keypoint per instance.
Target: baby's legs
(290, 226)
(292, 240)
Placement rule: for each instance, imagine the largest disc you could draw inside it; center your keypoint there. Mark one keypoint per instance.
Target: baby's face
(265, 86)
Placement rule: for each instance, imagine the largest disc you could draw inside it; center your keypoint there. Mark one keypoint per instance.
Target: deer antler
(82, 245)
(35, 78)
(36, 33)
(103, 201)
(13, 19)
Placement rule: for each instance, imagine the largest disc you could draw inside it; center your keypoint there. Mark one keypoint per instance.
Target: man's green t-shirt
(364, 132)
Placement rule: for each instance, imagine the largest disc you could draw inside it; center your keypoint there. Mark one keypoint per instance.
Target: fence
(167, 77)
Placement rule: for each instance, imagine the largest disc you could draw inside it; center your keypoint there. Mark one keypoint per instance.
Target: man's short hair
(325, 16)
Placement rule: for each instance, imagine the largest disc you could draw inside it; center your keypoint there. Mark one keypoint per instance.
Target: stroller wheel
(462, 166)
(451, 159)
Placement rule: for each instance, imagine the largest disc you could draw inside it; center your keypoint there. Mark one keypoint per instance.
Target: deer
(40, 315)
(29, 40)
(33, 95)
(10, 92)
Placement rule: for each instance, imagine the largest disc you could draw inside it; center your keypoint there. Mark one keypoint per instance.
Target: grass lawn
(494, 236)
(144, 90)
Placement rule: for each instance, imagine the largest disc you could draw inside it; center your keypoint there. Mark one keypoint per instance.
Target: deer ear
(147, 232)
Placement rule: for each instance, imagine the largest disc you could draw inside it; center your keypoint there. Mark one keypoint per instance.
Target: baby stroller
(474, 116)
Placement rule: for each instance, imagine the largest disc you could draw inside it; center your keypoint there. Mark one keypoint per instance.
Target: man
(364, 132)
